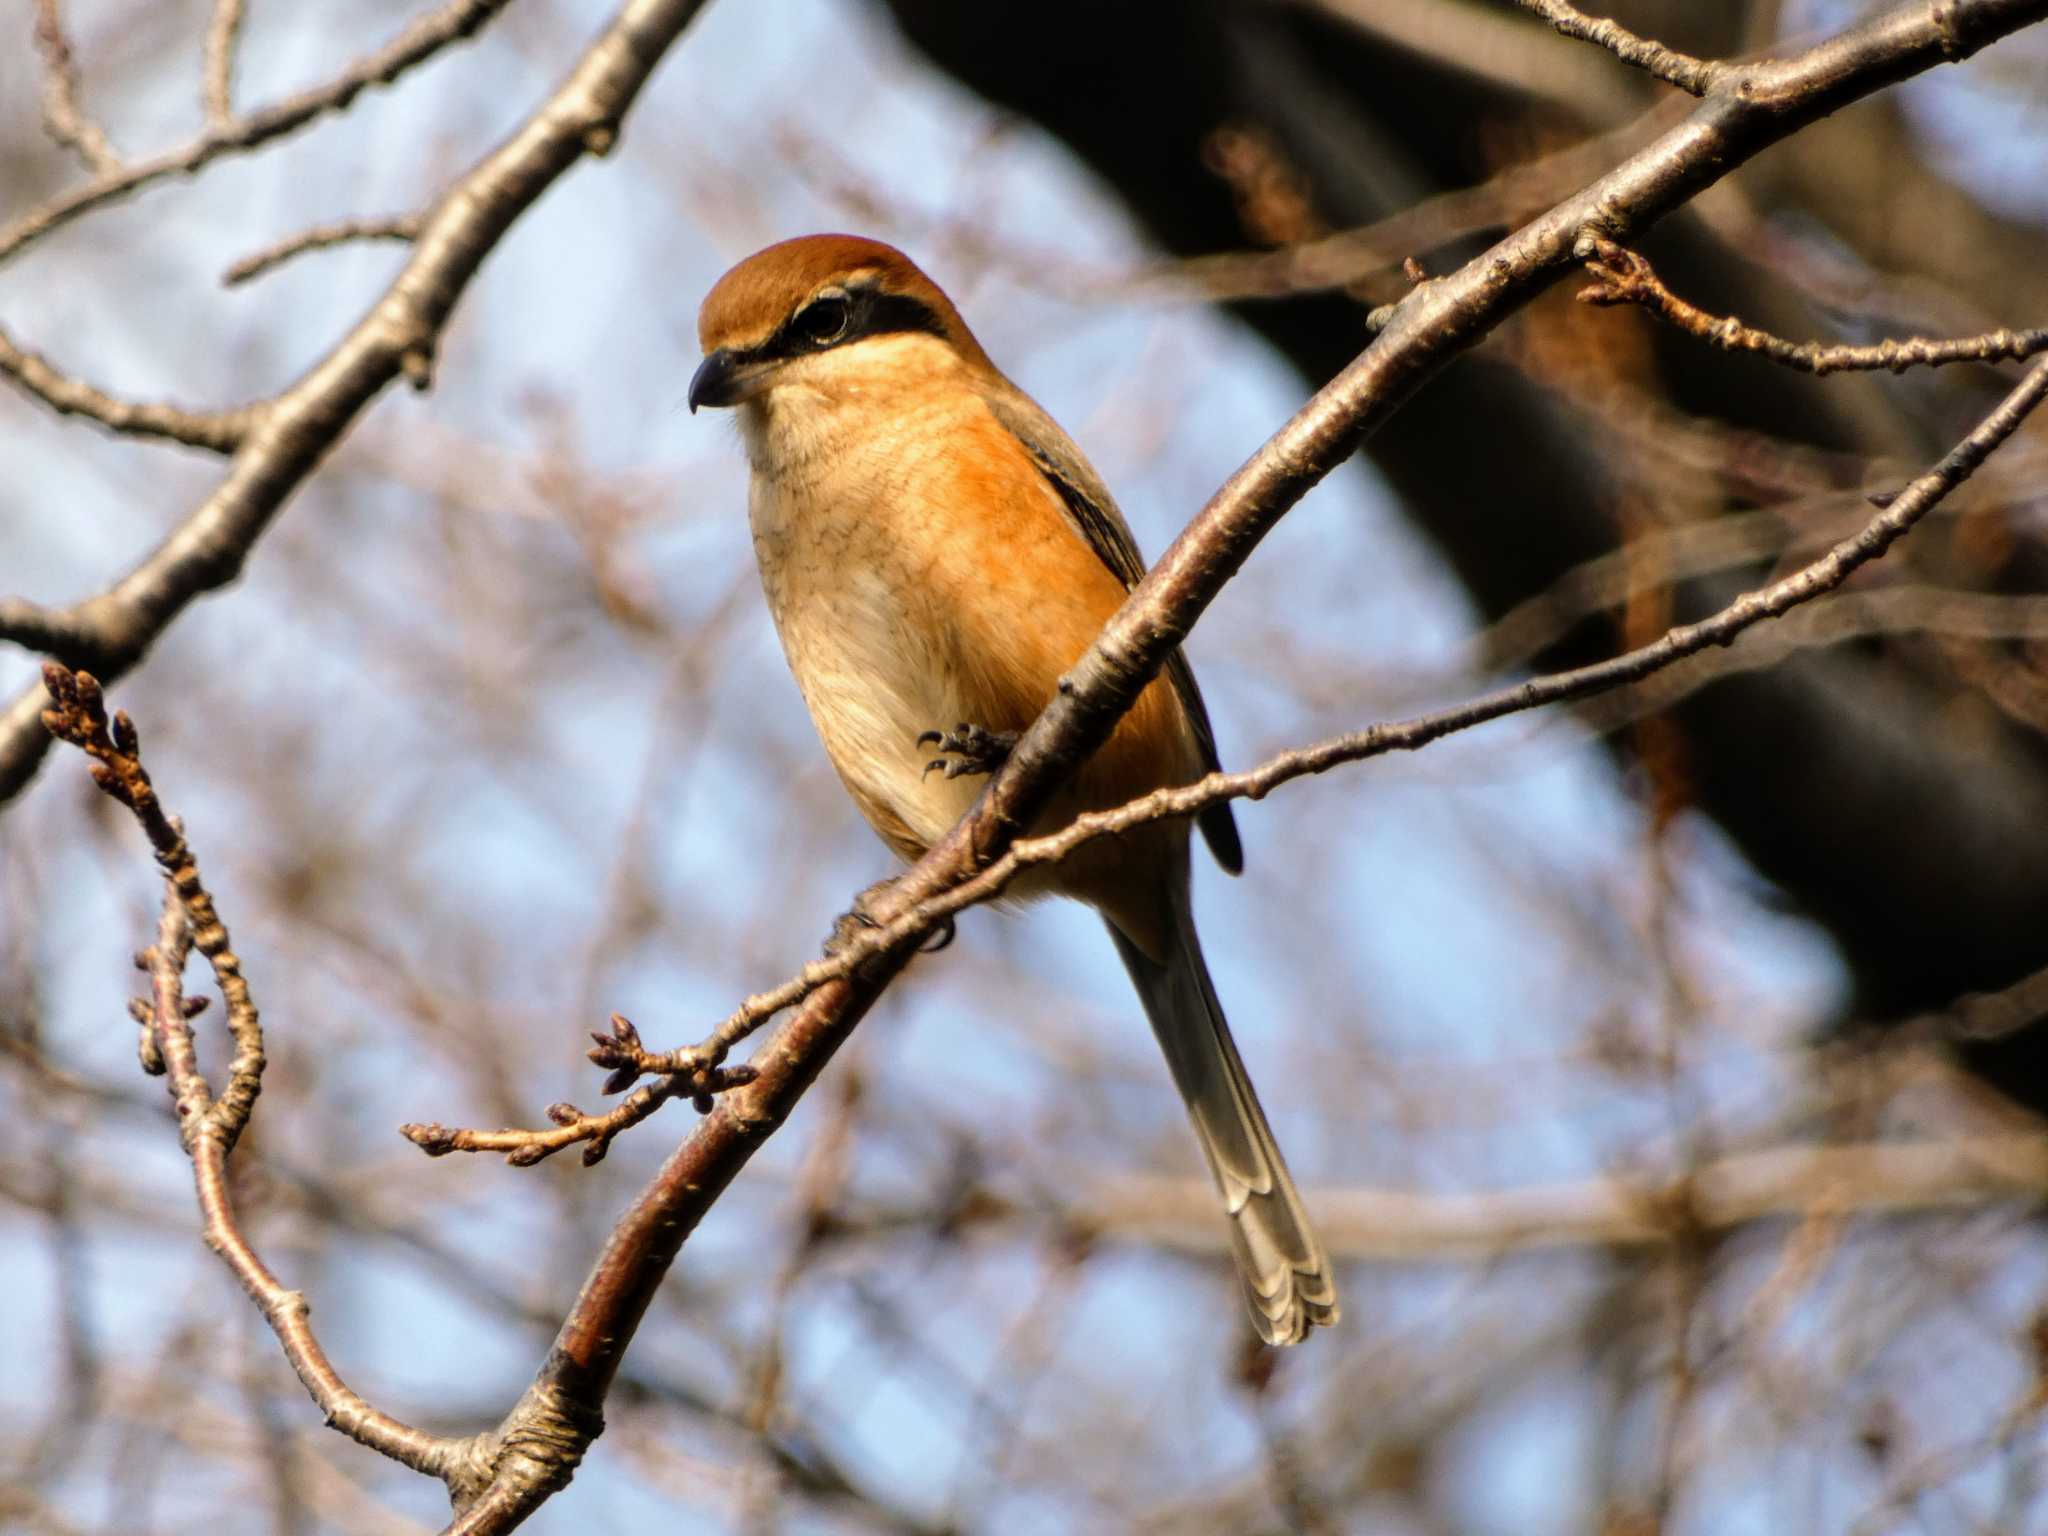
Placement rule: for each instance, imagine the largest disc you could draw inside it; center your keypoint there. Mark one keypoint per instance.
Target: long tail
(1285, 1273)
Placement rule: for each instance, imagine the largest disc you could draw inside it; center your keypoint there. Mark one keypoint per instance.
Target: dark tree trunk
(1840, 773)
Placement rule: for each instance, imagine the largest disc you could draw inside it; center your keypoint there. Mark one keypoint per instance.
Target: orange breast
(922, 572)
(1029, 597)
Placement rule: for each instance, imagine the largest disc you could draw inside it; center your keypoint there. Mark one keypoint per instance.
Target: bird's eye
(824, 320)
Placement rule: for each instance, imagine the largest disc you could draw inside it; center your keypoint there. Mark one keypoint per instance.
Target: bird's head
(818, 304)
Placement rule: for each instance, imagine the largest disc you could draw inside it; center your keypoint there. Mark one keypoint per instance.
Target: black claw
(971, 749)
(939, 937)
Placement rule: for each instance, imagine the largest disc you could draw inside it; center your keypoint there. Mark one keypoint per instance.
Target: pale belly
(874, 664)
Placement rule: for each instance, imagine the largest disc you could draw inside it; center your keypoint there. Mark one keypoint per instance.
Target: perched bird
(936, 550)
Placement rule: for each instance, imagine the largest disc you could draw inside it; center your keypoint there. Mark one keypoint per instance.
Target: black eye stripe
(869, 312)
(887, 313)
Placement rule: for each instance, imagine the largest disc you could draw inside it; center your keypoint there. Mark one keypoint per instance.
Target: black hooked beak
(726, 377)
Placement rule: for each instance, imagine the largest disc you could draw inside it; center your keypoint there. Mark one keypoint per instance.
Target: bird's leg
(970, 749)
(856, 919)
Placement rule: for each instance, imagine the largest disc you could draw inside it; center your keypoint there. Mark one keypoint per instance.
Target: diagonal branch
(1750, 107)
(1814, 580)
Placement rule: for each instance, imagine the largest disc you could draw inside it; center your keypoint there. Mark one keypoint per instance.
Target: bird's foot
(857, 919)
(968, 748)
(860, 918)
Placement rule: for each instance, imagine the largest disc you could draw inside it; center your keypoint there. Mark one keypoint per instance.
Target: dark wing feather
(1096, 518)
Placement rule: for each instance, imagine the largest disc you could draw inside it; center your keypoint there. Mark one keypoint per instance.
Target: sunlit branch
(1626, 277)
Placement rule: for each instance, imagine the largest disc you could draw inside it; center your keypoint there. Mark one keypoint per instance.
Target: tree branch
(289, 435)
(405, 227)
(1696, 77)
(420, 41)
(217, 431)
(63, 116)
(1632, 1211)
(216, 94)
(1626, 277)
(1811, 581)
(209, 1126)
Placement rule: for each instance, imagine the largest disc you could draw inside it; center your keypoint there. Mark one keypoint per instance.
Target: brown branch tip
(77, 713)
(692, 1072)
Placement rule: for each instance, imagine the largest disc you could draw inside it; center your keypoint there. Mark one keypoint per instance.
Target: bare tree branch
(290, 434)
(209, 1126)
(1749, 107)
(63, 116)
(1814, 580)
(218, 431)
(1475, 37)
(406, 227)
(420, 41)
(1696, 77)
(691, 1074)
(1626, 277)
(217, 92)
(1620, 1211)
(1901, 610)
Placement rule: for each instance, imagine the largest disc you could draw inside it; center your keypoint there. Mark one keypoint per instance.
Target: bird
(936, 552)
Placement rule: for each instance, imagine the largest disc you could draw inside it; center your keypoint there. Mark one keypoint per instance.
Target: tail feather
(1285, 1274)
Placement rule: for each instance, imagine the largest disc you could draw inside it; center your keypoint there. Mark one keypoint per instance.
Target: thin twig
(210, 1125)
(406, 227)
(217, 431)
(524, 1148)
(690, 1075)
(1693, 76)
(1476, 38)
(63, 117)
(1626, 277)
(420, 41)
(1908, 609)
(217, 92)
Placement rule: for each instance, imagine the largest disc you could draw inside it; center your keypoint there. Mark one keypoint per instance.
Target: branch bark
(418, 42)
